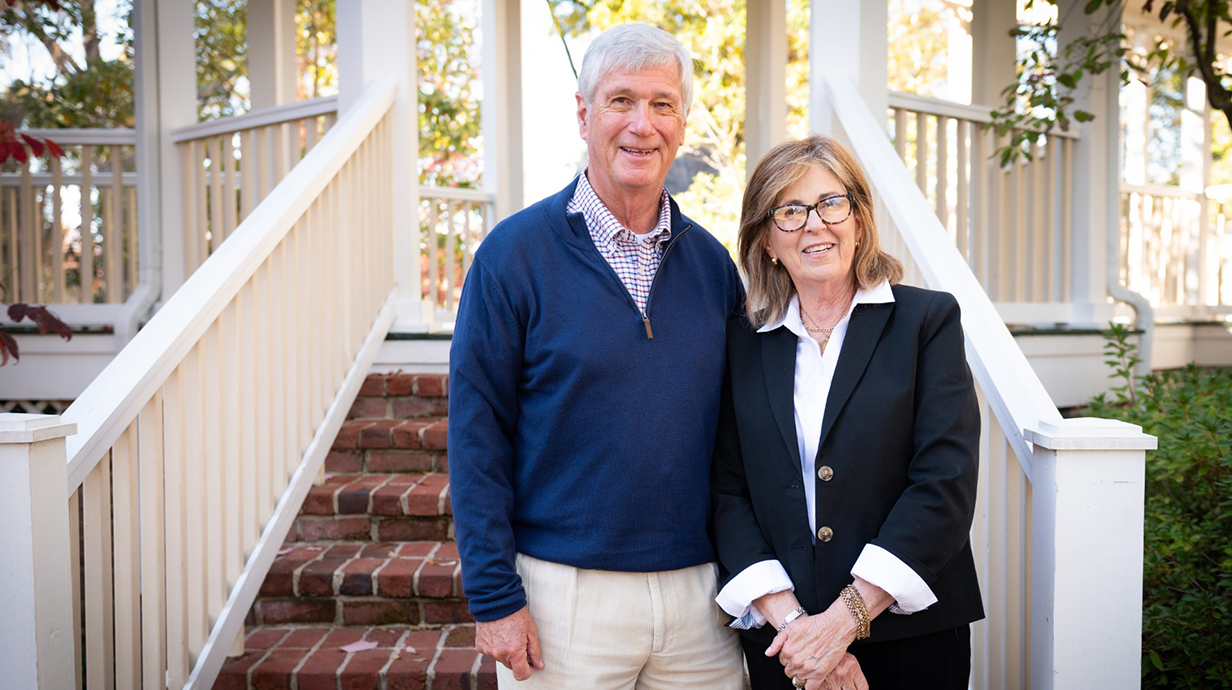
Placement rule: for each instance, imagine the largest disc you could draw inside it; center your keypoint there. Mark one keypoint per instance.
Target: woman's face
(818, 256)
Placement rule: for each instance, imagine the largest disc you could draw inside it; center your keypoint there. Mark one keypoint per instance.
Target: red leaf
(18, 151)
(55, 149)
(4, 151)
(8, 345)
(6, 130)
(47, 321)
(35, 145)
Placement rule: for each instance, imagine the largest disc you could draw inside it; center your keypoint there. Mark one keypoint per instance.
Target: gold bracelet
(855, 604)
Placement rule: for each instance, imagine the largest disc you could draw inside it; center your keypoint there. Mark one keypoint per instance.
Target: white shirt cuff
(885, 570)
(754, 582)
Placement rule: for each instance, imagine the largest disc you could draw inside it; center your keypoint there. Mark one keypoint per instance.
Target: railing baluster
(97, 580)
(29, 257)
(114, 244)
(1036, 257)
(176, 527)
(153, 539)
(85, 266)
(229, 199)
(76, 573)
(921, 152)
(962, 218)
(941, 189)
(130, 232)
(124, 457)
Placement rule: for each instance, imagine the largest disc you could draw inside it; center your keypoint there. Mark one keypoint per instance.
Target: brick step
(407, 583)
(390, 445)
(376, 507)
(405, 658)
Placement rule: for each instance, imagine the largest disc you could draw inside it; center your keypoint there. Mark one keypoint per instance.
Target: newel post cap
(32, 428)
(1090, 433)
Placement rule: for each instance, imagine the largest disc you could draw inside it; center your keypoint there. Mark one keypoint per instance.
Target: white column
(376, 41)
(271, 52)
(36, 614)
(995, 63)
(1087, 497)
(765, 78)
(847, 38)
(165, 89)
(1097, 164)
(502, 104)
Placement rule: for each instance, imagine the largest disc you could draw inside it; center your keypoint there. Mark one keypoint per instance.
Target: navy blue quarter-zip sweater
(580, 432)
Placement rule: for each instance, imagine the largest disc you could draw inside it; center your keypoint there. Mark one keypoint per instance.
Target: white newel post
(36, 613)
(1086, 554)
(376, 41)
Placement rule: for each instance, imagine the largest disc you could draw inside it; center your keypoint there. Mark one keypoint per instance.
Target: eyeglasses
(832, 210)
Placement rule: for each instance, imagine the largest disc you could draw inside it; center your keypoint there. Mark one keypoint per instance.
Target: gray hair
(634, 47)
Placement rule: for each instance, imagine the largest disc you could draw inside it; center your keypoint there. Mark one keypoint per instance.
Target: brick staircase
(371, 559)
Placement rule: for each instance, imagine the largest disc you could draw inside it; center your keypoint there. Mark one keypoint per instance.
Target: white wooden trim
(459, 193)
(119, 392)
(1161, 190)
(257, 118)
(231, 620)
(935, 106)
(120, 136)
(1013, 390)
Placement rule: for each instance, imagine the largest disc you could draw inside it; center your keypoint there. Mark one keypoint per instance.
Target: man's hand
(513, 641)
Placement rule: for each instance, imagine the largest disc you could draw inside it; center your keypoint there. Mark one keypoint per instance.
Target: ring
(796, 682)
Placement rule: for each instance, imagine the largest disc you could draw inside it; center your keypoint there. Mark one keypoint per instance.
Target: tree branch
(32, 25)
(1218, 96)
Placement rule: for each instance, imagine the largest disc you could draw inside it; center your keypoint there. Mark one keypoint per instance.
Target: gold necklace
(816, 329)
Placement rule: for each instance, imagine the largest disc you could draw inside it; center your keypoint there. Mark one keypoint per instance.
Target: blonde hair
(770, 287)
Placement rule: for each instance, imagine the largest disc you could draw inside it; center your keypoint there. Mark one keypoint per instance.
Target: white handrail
(457, 193)
(1161, 190)
(1013, 390)
(962, 111)
(120, 136)
(105, 409)
(257, 118)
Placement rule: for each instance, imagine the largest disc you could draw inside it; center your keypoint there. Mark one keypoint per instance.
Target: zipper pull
(646, 322)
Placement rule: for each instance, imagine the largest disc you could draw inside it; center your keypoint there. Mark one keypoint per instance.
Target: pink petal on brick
(360, 646)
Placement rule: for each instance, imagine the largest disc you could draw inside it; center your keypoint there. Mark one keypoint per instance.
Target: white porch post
(165, 86)
(1086, 553)
(271, 52)
(502, 104)
(847, 38)
(1097, 165)
(376, 40)
(37, 638)
(995, 65)
(765, 65)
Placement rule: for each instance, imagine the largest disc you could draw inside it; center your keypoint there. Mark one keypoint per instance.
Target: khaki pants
(605, 630)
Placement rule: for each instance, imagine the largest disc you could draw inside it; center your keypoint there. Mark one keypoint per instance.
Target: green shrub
(1187, 566)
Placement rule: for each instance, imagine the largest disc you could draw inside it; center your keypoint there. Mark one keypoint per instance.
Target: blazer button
(824, 473)
(825, 534)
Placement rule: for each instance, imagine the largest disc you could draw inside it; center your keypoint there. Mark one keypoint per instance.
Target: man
(585, 374)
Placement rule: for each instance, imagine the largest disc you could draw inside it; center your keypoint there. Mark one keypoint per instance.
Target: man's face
(632, 129)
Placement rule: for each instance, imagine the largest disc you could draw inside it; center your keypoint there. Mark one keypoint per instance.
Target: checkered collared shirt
(634, 261)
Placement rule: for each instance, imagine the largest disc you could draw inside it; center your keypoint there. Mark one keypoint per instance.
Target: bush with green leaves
(1187, 567)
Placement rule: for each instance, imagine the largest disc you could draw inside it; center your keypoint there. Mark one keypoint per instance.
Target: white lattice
(34, 406)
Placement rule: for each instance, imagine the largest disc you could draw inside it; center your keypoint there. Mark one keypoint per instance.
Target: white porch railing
(229, 165)
(1013, 225)
(1051, 491)
(68, 228)
(196, 446)
(453, 222)
(1176, 252)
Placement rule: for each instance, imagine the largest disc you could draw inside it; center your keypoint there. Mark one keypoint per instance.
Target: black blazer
(901, 434)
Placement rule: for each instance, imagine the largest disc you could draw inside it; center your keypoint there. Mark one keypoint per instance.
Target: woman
(845, 468)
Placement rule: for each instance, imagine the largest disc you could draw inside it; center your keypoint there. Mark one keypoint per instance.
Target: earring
(857, 244)
(774, 260)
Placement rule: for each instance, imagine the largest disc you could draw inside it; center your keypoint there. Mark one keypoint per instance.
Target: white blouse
(814, 374)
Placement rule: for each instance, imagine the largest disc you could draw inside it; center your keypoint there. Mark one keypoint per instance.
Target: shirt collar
(881, 293)
(603, 225)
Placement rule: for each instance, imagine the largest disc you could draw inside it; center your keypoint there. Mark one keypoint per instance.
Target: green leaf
(1083, 116)
(1155, 660)
(1092, 6)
